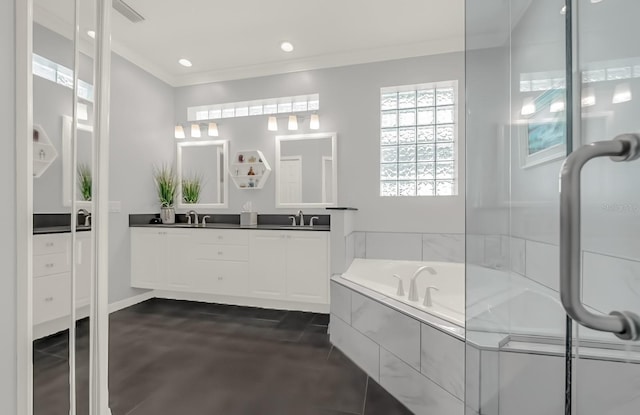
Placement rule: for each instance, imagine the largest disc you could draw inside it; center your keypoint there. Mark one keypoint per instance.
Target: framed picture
(543, 136)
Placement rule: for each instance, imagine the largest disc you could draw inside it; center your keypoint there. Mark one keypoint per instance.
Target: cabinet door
(179, 259)
(307, 266)
(51, 298)
(84, 268)
(148, 258)
(267, 266)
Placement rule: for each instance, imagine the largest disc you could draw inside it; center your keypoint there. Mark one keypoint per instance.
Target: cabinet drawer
(51, 243)
(221, 277)
(221, 252)
(50, 264)
(221, 236)
(51, 297)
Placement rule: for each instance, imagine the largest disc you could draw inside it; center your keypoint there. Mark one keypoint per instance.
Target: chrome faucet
(204, 220)
(301, 216)
(413, 287)
(312, 219)
(87, 216)
(195, 215)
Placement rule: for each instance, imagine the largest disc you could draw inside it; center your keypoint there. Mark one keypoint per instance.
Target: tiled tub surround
(415, 356)
(440, 247)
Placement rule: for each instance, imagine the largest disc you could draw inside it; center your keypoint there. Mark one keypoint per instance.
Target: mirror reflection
(202, 170)
(306, 170)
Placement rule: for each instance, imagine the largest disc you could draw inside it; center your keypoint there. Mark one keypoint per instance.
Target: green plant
(166, 184)
(84, 181)
(191, 188)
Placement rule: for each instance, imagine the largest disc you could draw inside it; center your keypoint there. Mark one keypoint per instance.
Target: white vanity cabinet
(157, 256)
(280, 268)
(52, 274)
(289, 265)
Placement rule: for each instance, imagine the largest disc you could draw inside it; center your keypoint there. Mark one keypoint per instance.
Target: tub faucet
(413, 287)
(400, 290)
(428, 301)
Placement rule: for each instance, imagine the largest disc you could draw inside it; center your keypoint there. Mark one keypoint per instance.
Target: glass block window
(418, 140)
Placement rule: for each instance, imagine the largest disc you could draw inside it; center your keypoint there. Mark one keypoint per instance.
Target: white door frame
(24, 204)
(99, 394)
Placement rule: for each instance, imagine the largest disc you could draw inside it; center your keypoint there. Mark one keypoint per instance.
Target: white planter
(168, 215)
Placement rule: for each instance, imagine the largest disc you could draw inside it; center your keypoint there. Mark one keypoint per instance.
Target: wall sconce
(588, 97)
(293, 123)
(272, 124)
(314, 123)
(195, 131)
(528, 107)
(622, 93)
(213, 129)
(557, 105)
(179, 132)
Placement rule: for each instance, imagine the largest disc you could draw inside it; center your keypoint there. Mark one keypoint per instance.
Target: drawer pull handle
(48, 299)
(49, 265)
(220, 253)
(220, 237)
(220, 278)
(49, 244)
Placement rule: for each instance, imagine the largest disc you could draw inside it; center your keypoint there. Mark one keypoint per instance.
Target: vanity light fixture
(622, 93)
(185, 62)
(314, 122)
(213, 129)
(91, 34)
(179, 132)
(286, 47)
(293, 123)
(557, 105)
(588, 97)
(195, 131)
(272, 124)
(528, 106)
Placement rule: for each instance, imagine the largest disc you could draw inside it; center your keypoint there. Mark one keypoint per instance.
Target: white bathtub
(448, 301)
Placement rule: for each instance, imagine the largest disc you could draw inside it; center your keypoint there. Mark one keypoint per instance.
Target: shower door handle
(624, 324)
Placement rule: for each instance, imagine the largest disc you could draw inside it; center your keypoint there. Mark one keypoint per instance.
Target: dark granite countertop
(228, 221)
(44, 223)
(58, 229)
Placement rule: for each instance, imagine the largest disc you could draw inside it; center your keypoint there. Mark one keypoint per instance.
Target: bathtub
(447, 303)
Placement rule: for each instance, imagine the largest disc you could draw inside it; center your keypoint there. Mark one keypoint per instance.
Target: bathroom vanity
(273, 266)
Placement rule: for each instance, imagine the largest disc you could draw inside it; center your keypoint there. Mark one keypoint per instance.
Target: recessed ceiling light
(92, 34)
(185, 62)
(286, 46)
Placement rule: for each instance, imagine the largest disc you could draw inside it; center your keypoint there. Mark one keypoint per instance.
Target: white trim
(130, 301)
(325, 159)
(334, 155)
(243, 301)
(225, 189)
(67, 155)
(24, 204)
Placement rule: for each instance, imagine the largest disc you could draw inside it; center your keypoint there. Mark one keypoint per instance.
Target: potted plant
(84, 181)
(166, 186)
(191, 188)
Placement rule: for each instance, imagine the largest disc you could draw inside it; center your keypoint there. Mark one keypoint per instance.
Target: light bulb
(213, 129)
(179, 132)
(195, 130)
(272, 124)
(293, 122)
(528, 106)
(621, 94)
(314, 123)
(557, 106)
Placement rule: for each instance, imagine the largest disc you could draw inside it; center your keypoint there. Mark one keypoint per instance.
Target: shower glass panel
(516, 142)
(606, 370)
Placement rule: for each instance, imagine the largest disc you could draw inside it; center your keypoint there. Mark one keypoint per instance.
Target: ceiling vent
(127, 11)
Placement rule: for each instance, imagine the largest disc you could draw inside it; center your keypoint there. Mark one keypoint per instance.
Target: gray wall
(8, 212)
(311, 153)
(349, 105)
(142, 121)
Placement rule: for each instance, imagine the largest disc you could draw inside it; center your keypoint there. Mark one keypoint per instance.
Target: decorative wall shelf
(243, 163)
(44, 152)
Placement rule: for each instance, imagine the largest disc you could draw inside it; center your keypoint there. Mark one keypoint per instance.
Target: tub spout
(428, 301)
(413, 287)
(400, 291)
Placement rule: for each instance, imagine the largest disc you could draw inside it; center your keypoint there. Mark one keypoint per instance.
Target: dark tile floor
(179, 357)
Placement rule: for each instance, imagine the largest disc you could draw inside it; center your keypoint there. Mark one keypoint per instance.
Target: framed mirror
(306, 170)
(201, 168)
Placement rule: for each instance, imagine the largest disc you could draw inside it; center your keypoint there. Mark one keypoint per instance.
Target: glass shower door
(606, 369)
